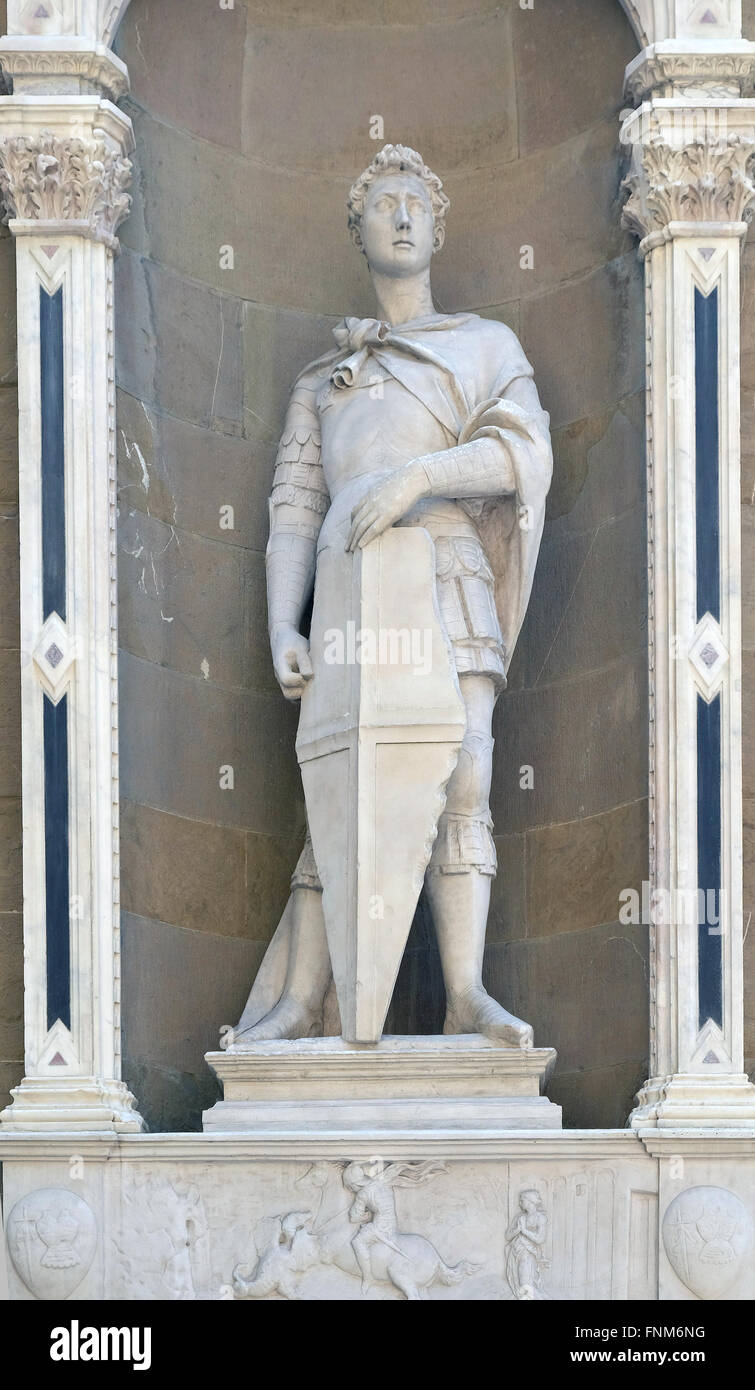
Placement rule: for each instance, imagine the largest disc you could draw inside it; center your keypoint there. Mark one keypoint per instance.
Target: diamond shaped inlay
(708, 655)
(53, 657)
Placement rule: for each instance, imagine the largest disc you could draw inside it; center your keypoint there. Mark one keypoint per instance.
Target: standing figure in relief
(524, 1255)
(416, 418)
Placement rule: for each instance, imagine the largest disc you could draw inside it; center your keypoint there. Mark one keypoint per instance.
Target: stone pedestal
(397, 1088)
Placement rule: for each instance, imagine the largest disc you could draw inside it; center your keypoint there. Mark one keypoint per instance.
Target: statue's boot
(459, 903)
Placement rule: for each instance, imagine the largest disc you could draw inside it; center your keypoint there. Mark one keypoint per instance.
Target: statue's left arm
(503, 439)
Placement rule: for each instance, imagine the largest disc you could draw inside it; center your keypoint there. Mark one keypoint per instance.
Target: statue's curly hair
(397, 159)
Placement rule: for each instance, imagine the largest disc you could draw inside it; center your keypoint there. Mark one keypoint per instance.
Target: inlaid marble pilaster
(690, 188)
(64, 177)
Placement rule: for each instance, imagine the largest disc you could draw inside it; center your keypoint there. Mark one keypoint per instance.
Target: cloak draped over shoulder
(460, 367)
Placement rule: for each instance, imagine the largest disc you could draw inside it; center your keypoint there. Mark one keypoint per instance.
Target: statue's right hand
(291, 660)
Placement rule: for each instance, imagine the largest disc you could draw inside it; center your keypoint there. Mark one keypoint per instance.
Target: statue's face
(397, 227)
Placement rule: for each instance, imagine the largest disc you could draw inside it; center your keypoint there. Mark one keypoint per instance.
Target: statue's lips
(404, 243)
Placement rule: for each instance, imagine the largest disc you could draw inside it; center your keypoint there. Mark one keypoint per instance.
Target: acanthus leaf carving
(703, 181)
(44, 178)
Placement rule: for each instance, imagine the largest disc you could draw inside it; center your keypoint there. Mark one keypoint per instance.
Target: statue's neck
(402, 301)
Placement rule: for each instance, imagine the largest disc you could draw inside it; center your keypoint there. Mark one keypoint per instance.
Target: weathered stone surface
(179, 345)
(9, 579)
(576, 871)
(749, 933)
(375, 68)
(598, 1097)
(602, 966)
(188, 476)
(597, 619)
(179, 987)
(748, 721)
(193, 604)
(585, 740)
(164, 67)
(748, 576)
(8, 362)
(178, 731)
(547, 201)
(270, 861)
(347, 13)
(11, 887)
(507, 918)
(8, 446)
(10, 724)
(278, 344)
(183, 872)
(11, 985)
(599, 469)
(11, 1074)
(605, 313)
(555, 109)
(562, 202)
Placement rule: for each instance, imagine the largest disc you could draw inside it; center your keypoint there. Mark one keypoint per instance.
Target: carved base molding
(695, 1102)
(401, 1086)
(80, 1103)
(549, 1216)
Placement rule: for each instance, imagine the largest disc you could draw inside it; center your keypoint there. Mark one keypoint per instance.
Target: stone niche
(209, 340)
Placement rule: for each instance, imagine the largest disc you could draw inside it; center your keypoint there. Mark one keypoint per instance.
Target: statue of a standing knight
(455, 441)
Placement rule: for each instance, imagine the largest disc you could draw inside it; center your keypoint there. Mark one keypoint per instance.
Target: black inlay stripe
(707, 455)
(709, 946)
(57, 895)
(53, 456)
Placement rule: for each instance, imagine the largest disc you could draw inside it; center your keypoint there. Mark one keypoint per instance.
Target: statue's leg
(298, 1013)
(460, 875)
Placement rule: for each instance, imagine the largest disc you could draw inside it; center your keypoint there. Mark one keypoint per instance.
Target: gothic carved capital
(46, 178)
(703, 181)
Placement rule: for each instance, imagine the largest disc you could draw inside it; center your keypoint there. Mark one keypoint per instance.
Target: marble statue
(409, 490)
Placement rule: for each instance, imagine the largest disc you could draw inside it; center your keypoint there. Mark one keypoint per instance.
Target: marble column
(64, 172)
(692, 141)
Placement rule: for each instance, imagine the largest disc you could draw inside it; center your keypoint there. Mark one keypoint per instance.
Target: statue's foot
(474, 1011)
(289, 1019)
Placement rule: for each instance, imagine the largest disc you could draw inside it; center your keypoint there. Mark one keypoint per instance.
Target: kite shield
(380, 730)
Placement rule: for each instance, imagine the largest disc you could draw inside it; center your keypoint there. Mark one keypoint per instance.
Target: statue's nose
(403, 220)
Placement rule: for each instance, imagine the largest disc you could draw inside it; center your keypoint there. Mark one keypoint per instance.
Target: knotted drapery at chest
(423, 372)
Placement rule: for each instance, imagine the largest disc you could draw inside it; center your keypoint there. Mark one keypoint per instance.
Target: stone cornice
(703, 71)
(64, 163)
(62, 66)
